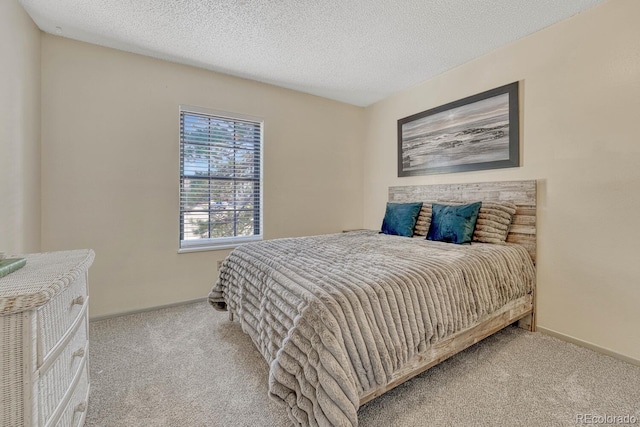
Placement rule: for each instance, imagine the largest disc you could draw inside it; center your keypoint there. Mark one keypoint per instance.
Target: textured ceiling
(355, 51)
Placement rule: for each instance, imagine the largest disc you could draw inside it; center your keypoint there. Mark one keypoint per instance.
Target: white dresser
(44, 373)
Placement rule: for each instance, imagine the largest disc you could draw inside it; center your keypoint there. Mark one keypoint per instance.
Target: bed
(343, 318)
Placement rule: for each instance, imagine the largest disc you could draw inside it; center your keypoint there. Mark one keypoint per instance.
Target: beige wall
(110, 167)
(580, 106)
(19, 130)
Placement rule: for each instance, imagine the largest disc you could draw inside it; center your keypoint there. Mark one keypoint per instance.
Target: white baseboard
(587, 344)
(143, 310)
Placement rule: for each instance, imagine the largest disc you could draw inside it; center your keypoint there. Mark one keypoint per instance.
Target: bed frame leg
(230, 316)
(528, 322)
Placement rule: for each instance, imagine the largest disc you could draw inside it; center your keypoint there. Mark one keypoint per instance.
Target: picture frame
(474, 133)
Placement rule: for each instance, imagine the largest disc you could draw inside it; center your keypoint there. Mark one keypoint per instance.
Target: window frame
(218, 243)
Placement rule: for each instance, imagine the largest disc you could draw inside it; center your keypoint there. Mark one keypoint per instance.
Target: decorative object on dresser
(474, 133)
(44, 341)
(9, 265)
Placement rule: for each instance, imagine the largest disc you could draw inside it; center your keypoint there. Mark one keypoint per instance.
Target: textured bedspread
(337, 315)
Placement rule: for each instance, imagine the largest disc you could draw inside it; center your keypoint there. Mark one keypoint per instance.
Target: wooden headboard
(522, 193)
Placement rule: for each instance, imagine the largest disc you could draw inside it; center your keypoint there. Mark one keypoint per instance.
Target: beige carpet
(189, 366)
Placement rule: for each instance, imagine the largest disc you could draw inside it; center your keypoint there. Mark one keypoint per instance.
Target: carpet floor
(189, 366)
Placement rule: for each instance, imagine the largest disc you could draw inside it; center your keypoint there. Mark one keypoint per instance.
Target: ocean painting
(475, 135)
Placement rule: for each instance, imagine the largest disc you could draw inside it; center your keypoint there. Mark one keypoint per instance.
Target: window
(220, 179)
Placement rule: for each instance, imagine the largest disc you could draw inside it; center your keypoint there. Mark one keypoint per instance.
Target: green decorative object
(9, 265)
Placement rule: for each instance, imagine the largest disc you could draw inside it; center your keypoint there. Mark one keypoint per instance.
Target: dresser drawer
(76, 410)
(55, 318)
(58, 374)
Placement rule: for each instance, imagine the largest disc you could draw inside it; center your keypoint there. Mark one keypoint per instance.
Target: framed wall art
(474, 133)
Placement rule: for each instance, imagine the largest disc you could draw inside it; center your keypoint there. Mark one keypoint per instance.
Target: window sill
(217, 246)
(208, 248)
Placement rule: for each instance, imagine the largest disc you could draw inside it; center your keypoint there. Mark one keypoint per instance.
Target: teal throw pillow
(453, 224)
(400, 218)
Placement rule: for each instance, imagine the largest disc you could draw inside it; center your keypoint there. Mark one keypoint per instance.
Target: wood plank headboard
(522, 193)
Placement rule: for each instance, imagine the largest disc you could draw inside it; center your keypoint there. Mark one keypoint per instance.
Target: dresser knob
(78, 300)
(78, 353)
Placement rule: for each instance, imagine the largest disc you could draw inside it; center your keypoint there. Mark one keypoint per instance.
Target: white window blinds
(220, 179)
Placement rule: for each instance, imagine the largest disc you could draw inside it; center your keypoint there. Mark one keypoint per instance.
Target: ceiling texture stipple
(354, 51)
